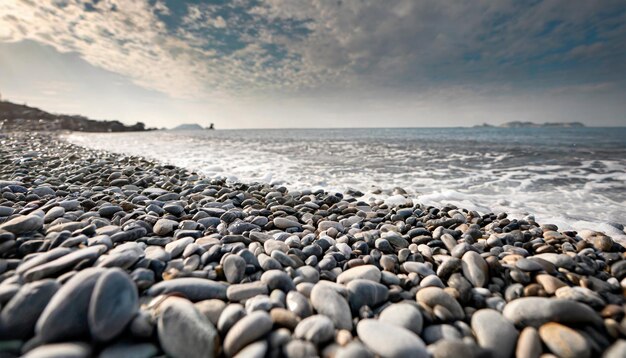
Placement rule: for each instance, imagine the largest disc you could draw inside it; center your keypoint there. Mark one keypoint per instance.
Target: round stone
(211, 309)
(23, 224)
(164, 227)
(299, 304)
(366, 293)
(65, 350)
(247, 330)
(494, 333)
(113, 304)
(195, 289)
(437, 332)
(297, 348)
(185, 332)
(20, 314)
(352, 350)
(278, 279)
(63, 263)
(447, 348)
(434, 296)
(475, 269)
(243, 291)
(253, 350)
(65, 316)
(535, 311)
(366, 272)
(602, 243)
(418, 267)
(284, 223)
(528, 265)
(564, 341)
(317, 329)
(616, 350)
(229, 316)
(581, 294)
(549, 283)
(234, 268)
(284, 318)
(528, 344)
(388, 340)
(404, 315)
(327, 224)
(329, 302)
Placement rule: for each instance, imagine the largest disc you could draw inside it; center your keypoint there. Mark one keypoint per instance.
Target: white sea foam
(575, 191)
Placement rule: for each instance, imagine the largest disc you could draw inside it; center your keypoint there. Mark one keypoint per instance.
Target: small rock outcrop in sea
(115, 256)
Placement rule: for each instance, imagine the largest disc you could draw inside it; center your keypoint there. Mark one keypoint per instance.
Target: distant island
(519, 124)
(191, 127)
(19, 117)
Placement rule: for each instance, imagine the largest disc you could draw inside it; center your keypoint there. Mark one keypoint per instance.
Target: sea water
(572, 177)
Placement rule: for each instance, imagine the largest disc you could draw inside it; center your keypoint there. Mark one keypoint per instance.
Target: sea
(572, 177)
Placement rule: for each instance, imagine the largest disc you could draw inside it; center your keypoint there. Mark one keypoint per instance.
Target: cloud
(588, 88)
(125, 38)
(259, 48)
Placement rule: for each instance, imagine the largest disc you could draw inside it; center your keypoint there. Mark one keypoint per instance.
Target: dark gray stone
(19, 316)
(195, 289)
(65, 317)
(113, 304)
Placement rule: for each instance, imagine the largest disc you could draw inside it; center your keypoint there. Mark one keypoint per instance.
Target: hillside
(188, 127)
(18, 117)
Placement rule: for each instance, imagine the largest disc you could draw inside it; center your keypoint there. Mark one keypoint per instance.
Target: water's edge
(498, 182)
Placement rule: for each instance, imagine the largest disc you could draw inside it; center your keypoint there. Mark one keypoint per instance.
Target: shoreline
(161, 260)
(545, 205)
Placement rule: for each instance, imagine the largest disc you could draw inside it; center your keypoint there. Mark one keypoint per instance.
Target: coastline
(269, 270)
(572, 188)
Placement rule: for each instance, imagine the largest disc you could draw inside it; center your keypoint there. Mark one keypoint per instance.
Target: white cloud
(587, 88)
(239, 48)
(130, 40)
(219, 22)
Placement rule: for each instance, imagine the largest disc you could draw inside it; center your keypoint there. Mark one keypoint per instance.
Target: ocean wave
(575, 189)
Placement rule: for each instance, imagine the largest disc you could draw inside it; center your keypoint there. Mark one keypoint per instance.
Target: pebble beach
(110, 255)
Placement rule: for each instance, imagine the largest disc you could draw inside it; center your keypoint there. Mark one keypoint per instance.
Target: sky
(318, 63)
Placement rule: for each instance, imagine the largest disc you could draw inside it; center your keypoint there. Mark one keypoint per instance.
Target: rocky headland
(116, 256)
(18, 117)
